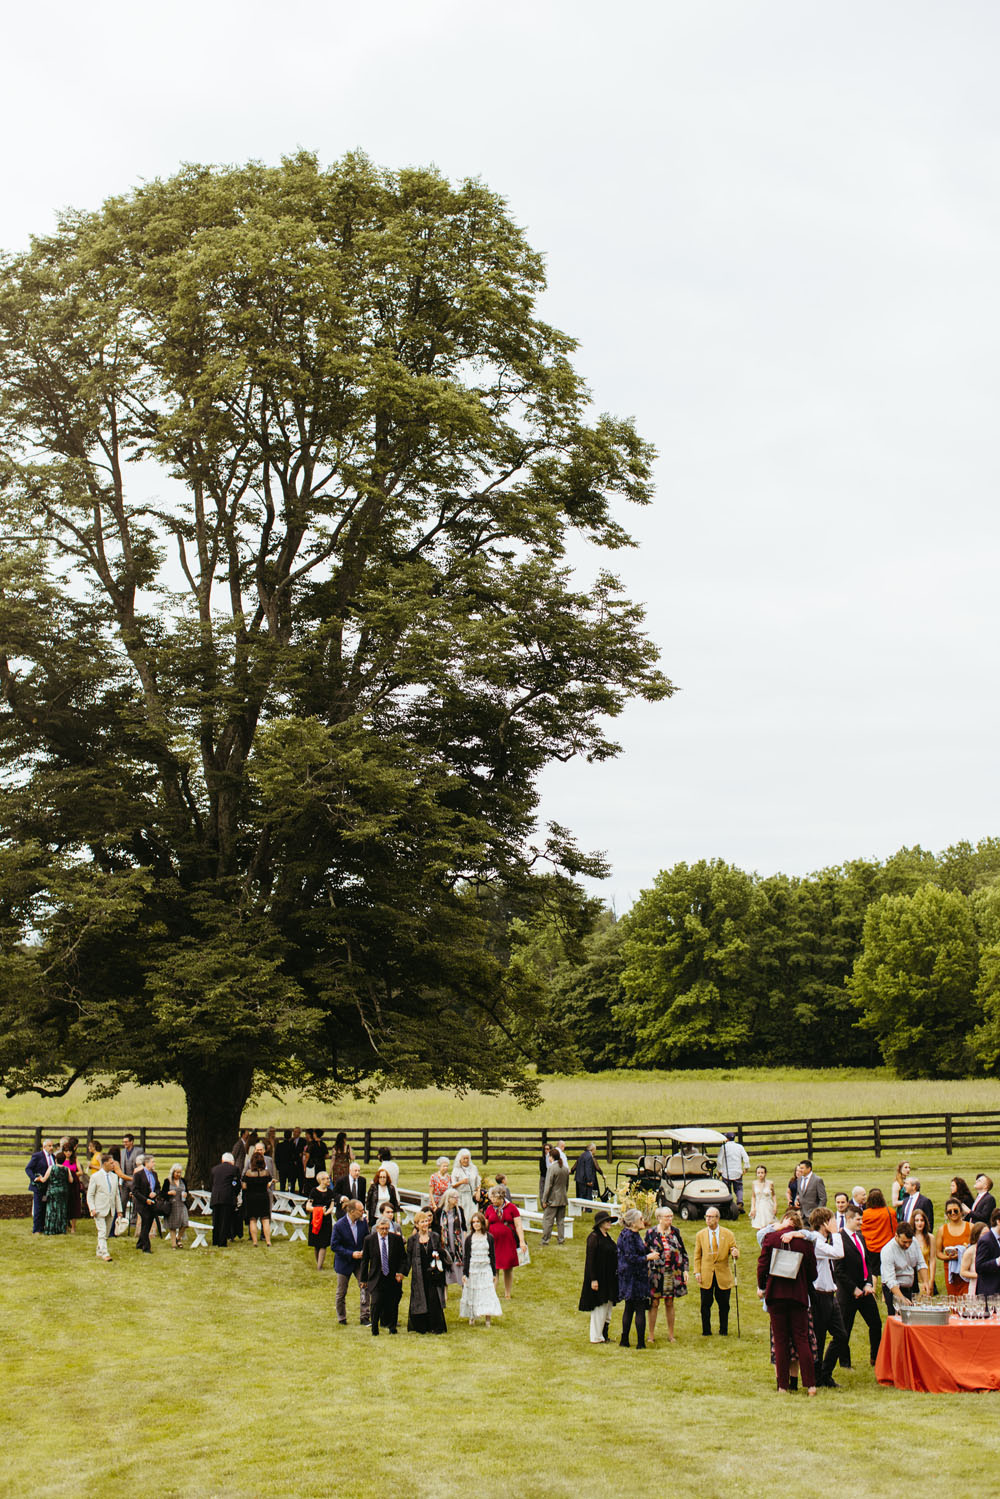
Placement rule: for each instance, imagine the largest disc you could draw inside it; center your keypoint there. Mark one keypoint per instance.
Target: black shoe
(624, 1343)
(374, 1332)
(828, 1384)
(393, 1331)
(793, 1381)
(607, 1331)
(341, 1321)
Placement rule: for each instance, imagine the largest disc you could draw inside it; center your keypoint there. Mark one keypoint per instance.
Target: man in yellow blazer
(715, 1254)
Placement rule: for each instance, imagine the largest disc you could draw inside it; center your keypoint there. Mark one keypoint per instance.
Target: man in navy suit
(34, 1171)
(348, 1241)
(383, 1259)
(988, 1259)
(916, 1199)
(145, 1187)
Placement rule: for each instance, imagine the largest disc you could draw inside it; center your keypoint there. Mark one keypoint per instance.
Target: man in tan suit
(104, 1202)
(715, 1255)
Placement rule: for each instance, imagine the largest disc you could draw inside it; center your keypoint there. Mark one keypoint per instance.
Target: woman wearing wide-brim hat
(600, 1278)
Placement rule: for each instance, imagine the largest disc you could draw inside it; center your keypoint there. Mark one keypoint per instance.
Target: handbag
(785, 1263)
(316, 1219)
(121, 1225)
(436, 1270)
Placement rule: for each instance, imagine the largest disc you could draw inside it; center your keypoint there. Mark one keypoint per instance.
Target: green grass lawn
(217, 1375)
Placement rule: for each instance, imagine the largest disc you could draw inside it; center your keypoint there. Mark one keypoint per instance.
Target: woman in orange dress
(878, 1225)
(950, 1239)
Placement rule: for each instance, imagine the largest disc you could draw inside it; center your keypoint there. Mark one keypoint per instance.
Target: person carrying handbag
(785, 1271)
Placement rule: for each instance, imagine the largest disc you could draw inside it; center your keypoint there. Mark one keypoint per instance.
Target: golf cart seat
(652, 1165)
(688, 1165)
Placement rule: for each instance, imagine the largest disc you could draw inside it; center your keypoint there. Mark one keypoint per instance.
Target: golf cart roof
(695, 1136)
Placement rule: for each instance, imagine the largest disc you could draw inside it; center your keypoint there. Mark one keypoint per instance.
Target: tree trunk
(216, 1099)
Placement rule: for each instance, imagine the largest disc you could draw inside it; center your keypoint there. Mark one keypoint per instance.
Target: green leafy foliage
(289, 468)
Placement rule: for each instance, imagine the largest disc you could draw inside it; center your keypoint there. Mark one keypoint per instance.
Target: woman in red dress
(504, 1222)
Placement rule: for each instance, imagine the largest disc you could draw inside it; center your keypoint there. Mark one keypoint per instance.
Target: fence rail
(874, 1134)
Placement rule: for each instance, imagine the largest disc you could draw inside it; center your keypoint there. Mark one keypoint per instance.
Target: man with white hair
(37, 1167)
(225, 1182)
(349, 1188)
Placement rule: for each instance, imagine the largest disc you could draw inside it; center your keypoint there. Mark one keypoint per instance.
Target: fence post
(38, 1137)
(90, 1136)
(426, 1139)
(809, 1140)
(877, 1132)
(486, 1146)
(947, 1134)
(368, 1146)
(609, 1145)
(142, 1139)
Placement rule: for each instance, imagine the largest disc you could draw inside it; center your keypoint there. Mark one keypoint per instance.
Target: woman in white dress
(465, 1180)
(479, 1292)
(763, 1204)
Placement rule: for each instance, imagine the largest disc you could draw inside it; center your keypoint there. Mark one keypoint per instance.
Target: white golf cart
(680, 1171)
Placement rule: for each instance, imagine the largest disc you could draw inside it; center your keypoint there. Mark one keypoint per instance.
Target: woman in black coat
(381, 1192)
(600, 1278)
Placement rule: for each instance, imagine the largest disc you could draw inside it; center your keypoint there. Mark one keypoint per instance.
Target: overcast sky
(775, 229)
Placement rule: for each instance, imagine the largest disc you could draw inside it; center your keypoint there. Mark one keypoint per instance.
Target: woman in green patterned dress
(56, 1196)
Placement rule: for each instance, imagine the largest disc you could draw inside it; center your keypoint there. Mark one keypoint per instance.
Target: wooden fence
(888, 1134)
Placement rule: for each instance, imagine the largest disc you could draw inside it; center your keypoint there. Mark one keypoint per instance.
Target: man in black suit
(383, 1256)
(225, 1185)
(855, 1291)
(286, 1162)
(349, 1188)
(916, 1199)
(985, 1202)
(144, 1189)
(988, 1259)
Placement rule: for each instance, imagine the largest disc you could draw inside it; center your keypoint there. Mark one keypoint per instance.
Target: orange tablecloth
(958, 1356)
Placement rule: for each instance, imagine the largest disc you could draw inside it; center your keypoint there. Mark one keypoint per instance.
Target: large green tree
(289, 464)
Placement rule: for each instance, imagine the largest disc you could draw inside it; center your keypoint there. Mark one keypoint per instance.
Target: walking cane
(736, 1288)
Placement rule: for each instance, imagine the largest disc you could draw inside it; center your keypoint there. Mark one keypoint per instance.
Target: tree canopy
(289, 465)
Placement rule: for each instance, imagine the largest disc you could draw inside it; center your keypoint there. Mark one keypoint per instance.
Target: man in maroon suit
(787, 1297)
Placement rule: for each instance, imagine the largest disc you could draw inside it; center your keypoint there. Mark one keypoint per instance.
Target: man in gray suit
(555, 1196)
(130, 1156)
(812, 1191)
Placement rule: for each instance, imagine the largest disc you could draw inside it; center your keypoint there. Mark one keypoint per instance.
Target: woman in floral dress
(440, 1182)
(668, 1272)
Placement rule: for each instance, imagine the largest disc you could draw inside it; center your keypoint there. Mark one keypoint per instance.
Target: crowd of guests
(819, 1268)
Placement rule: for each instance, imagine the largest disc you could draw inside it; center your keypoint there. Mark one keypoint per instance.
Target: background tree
(687, 975)
(288, 466)
(914, 981)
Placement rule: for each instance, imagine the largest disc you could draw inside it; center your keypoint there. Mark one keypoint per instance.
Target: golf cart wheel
(686, 1211)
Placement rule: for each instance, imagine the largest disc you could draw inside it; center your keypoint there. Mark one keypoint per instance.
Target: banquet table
(960, 1355)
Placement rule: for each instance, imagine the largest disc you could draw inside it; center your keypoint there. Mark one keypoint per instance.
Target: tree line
(894, 962)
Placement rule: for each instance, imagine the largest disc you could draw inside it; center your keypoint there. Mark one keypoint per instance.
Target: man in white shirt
(827, 1316)
(731, 1163)
(902, 1260)
(105, 1203)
